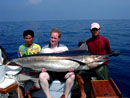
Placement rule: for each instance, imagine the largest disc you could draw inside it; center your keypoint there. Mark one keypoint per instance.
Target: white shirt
(59, 48)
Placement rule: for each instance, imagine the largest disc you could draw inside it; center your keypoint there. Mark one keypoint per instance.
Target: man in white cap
(99, 45)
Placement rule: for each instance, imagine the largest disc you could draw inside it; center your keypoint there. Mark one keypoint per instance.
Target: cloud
(35, 1)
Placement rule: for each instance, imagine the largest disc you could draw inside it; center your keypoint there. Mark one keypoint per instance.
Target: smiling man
(47, 76)
(99, 45)
(29, 48)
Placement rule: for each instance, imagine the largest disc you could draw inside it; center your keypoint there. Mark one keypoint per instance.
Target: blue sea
(117, 31)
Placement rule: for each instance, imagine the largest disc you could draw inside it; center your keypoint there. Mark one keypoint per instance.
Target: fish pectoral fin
(80, 62)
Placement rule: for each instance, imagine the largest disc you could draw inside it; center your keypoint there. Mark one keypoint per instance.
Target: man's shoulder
(36, 45)
(22, 46)
(104, 38)
(62, 45)
(89, 39)
(46, 49)
(45, 46)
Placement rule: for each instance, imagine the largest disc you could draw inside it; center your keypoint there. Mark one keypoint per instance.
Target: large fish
(61, 62)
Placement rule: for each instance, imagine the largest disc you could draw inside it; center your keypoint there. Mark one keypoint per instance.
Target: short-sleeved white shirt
(59, 48)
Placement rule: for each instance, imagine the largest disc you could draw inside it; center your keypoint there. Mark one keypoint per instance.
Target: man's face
(54, 39)
(95, 32)
(28, 39)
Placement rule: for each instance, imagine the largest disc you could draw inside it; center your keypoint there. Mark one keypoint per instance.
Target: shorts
(57, 76)
(23, 79)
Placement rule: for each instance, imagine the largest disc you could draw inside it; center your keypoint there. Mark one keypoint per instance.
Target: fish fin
(81, 63)
(83, 66)
(6, 57)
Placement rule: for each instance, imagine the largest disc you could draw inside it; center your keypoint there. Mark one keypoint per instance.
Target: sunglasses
(95, 29)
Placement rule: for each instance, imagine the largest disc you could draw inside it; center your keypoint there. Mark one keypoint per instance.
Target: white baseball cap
(95, 25)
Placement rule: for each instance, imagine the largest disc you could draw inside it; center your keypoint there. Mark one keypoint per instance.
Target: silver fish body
(59, 63)
(51, 65)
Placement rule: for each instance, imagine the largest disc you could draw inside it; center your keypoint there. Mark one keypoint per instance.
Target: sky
(31, 10)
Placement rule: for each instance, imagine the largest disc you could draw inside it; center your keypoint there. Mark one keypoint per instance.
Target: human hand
(44, 70)
(71, 70)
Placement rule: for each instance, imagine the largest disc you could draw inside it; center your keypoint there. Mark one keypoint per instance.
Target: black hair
(28, 32)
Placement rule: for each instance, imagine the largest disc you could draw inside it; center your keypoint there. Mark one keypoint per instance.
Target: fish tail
(6, 57)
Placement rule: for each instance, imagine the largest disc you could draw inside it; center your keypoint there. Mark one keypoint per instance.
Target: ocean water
(117, 31)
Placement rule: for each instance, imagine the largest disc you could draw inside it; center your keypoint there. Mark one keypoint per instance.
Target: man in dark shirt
(99, 45)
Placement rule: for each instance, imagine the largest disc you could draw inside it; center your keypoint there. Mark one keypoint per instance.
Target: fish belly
(51, 65)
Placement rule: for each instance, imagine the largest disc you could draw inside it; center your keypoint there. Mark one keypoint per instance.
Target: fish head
(94, 60)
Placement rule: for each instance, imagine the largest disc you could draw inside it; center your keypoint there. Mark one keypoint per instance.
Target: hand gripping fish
(61, 62)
